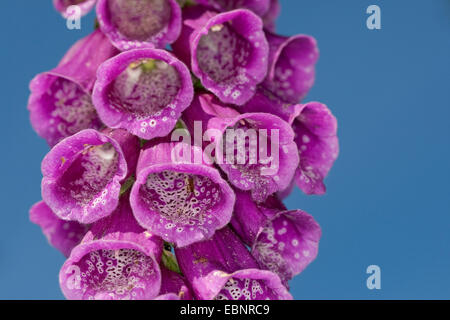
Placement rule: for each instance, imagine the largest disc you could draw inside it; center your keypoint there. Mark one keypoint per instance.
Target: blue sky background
(388, 197)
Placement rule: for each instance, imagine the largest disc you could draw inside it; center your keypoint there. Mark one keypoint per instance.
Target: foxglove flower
(132, 24)
(60, 103)
(83, 173)
(173, 286)
(228, 52)
(283, 241)
(315, 130)
(143, 91)
(117, 259)
(177, 198)
(247, 162)
(291, 66)
(223, 269)
(84, 5)
(63, 235)
(260, 7)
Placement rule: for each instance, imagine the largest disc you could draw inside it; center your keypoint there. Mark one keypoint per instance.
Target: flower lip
(142, 24)
(186, 230)
(249, 60)
(127, 80)
(84, 5)
(82, 194)
(248, 176)
(141, 269)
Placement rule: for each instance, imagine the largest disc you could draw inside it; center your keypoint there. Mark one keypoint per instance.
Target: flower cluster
(137, 216)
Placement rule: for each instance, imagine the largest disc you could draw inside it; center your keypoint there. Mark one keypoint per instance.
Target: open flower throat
(145, 87)
(183, 199)
(89, 173)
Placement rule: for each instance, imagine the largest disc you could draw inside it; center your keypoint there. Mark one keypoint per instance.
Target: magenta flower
(283, 241)
(228, 52)
(260, 7)
(291, 66)
(116, 260)
(60, 103)
(84, 5)
(315, 130)
(143, 91)
(223, 269)
(83, 173)
(178, 199)
(264, 163)
(173, 286)
(133, 24)
(63, 235)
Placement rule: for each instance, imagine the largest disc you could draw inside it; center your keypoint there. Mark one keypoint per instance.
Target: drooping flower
(291, 66)
(315, 130)
(60, 103)
(177, 198)
(227, 51)
(143, 91)
(133, 24)
(260, 7)
(84, 5)
(223, 269)
(256, 150)
(83, 173)
(173, 286)
(283, 241)
(63, 235)
(116, 260)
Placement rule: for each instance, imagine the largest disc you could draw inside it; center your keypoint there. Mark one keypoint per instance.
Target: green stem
(127, 185)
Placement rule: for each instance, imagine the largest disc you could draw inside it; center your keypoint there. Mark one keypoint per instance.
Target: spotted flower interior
(246, 289)
(223, 54)
(315, 135)
(139, 19)
(287, 243)
(293, 71)
(114, 274)
(67, 109)
(145, 88)
(183, 200)
(89, 173)
(246, 162)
